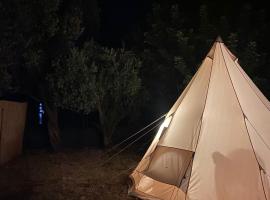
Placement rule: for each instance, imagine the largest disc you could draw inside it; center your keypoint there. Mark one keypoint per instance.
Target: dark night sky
(119, 17)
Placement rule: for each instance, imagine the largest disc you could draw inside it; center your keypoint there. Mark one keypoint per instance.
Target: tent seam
(186, 170)
(174, 148)
(253, 89)
(244, 117)
(190, 162)
(258, 134)
(201, 119)
(259, 166)
(250, 86)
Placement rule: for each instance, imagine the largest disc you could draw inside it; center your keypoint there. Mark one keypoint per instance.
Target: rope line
(134, 134)
(128, 145)
(128, 138)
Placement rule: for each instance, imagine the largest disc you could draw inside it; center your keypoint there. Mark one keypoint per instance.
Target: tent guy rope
(131, 136)
(136, 133)
(128, 145)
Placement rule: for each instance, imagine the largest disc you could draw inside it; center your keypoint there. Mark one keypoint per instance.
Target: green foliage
(117, 88)
(205, 28)
(5, 81)
(177, 41)
(71, 24)
(117, 79)
(34, 34)
(45, 51)
(233, 42)
(250, 58)
(224, 26)
(71, 81)
(169, 56)
(99, 79)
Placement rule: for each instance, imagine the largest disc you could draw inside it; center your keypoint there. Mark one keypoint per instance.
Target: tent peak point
(219, 39)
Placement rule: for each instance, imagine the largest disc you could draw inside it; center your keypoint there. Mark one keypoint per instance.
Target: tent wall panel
(224, 156)
(13, 116)
(261, 149)
(222, 120)
(250, 82)
(179, 100)
(193, 104)
(253, 107)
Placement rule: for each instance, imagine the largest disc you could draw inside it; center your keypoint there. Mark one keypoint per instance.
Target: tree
(250, 58)
(7, 46)
(224, 27)
(168, 55)
(34, 34)
(233, 42)
(5, 79)
(98, 79)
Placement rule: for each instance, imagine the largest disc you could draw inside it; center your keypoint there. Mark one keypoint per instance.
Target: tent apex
(219, 39)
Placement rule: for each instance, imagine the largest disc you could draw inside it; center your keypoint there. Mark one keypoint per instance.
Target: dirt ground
(67, 175)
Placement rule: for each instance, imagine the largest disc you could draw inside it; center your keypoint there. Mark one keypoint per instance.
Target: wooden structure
(12, 123)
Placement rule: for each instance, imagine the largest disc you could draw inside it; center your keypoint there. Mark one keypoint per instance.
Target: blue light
(41, 112)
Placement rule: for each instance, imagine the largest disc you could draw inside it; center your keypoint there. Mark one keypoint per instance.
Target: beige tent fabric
(147, 156)
(262, 152)
(216, 145)
(234, 58)
(266, 183)
(12, 122)
(211, 53)
(224, 165)
(145, 187)
(186, 120)
(254, 87)
(252, 105)
(261, 148)
(250, 82)
(169, 165)
(179, 100)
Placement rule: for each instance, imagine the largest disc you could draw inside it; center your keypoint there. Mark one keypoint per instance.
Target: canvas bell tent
(215, 141)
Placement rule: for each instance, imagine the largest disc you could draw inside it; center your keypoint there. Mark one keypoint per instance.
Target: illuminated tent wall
(215, 141)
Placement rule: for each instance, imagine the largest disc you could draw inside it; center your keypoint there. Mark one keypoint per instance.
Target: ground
(67, 175)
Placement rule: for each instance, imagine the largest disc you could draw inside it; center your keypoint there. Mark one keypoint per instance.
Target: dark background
(152, 34)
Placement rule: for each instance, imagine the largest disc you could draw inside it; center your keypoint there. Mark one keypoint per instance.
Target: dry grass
(68, 175)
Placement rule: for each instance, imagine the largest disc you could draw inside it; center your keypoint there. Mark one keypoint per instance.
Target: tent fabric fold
(215, 141)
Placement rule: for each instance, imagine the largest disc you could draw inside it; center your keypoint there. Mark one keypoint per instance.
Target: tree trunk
(106, 133)
(106, 141)
(53, 128)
